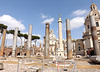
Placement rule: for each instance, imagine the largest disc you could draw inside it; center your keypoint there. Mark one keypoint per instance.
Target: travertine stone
(1, 66)
(29, 41)
(61, 49)
(14, 42)
(94, 35)
(28, 53)
(3, 42)
(87, 35)
(69, 43)
(47, 40)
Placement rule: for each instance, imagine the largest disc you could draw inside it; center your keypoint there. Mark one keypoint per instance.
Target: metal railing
(42, 65)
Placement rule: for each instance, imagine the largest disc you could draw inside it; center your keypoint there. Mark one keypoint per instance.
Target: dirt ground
(82, 66)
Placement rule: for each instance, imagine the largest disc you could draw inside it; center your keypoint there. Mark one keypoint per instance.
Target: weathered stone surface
(69, 42)
(94, 35)
(2, 58)
(34, 69)
(61, 48)
(7, 51)
(29, 41)
(1, 66)
(95, 59)
(14, 42)
(3, 42)
(47, 39)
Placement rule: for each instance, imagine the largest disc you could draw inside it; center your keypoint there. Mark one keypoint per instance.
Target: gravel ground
(88, 70)
(79, 70)
(83, 63)
(13, 68)
(9, 68)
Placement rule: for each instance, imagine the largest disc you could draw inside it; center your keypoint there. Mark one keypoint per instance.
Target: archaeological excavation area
(55, 54)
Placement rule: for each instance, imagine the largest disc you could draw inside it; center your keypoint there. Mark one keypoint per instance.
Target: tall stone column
(69, 42)
(46, 54)
(94, 36)
(61, 49)
(29, 41)
(14, 42)
(3, 42)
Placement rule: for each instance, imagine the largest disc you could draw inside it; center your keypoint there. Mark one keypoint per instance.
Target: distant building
(79, 47)
(52, 42)
(87, 34)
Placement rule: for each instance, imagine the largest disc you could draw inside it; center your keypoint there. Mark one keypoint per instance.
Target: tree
(20, 35)
(25, 37)
(35, 40)
(35, 37)
(13, 31)
(2, 26)
(7, 32)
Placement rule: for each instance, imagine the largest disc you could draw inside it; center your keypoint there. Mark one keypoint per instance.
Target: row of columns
(60, 51)
(93, 33)
(15, 42)
(68, 36)
(28, 42)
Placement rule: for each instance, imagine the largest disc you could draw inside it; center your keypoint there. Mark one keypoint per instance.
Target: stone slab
(1, 66)
(95, 59)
